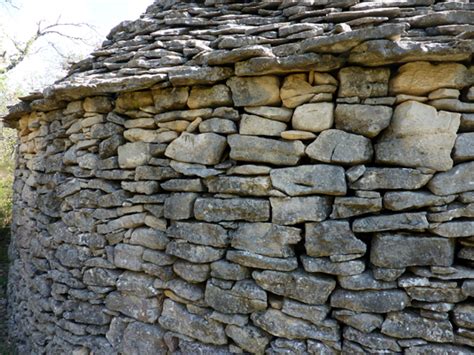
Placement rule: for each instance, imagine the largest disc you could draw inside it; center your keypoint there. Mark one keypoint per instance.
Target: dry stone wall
(283, 208)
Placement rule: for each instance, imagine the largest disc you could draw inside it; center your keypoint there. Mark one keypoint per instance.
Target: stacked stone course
(252, 177)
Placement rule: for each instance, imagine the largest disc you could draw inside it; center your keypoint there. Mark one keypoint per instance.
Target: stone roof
(176, 43)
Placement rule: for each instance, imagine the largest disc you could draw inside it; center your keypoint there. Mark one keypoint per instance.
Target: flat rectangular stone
(246, 209)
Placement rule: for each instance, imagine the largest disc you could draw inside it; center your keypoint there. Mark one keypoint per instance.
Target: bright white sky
(43, 66)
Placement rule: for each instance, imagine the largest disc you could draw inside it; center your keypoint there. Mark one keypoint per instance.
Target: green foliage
(6, 201)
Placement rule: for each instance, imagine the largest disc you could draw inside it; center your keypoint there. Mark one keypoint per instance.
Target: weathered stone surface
(464, 147)
(249, 338)
(310, 312)
(180, 205)
(258, 126)
(131, 155)
(365, 322)
(150, 339)
(458, 179)
(198, 75)
(297, 285)
(244, 297)
(205, 148)
(345, 41)
(338, 147)
(266, 238)
(255, 91)
(331, 238)
(313, 117)
(391, 179)
(217, 125)
(362, 82)
(395, 250)
(215, 210)
(418, 136)
(213, 96)
(281, 114)
(326, 266)
(143, 309)
(225, 270)
(364, 281)
(367, 120)
(170, 98)
(382, 301)
(463, 315)
(289, 64)
(404, 221)
(194, 253)
(128, 257)
(174, 317)
(374, 341)
(410, 325)
(149, 238)
(279, 324)
(246, 258)
(246, 186)
(310, 179)
(345, 207)
(405, 200)
(421, 78)
(454, 229)
(263, 150)
(191, 272)
(200, 233)
(294, 210)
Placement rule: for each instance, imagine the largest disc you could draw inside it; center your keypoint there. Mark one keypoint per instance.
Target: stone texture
(338, 147)
(367, 120)
(382, 301)
(255, 91)
(418, 136)
(391, 179)
(361, 82)
(421, 78)
(213, 96)
(310, 179)
(402, 221)
(331, 238)
(215, 210)
(297, 285)
(405, 200)
(266, 239)
(263, 150)
(458, 179)
(258, 126)
(294, 210)
(313, 117)
(395, 250)
(205, 148)
(174, 317)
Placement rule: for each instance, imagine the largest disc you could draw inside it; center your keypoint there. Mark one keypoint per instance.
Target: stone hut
(265, 177)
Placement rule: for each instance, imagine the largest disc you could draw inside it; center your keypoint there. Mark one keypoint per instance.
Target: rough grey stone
(204, 148)
(264, 150)
(331, 238)
(180, 205)
(143, 309)
(396, 250)
(294, 210)
(365, 322)
(257, 261)
(410, 325)
(266, 239)
(216, 210)
(194, 253)
(244, 186)
(249, 338)
(364, 281)
(315, 314)
(367, 120)
(200, 233)
(338, 147)
(149, 238)
(380, 301)
(174, 317)
(297, 285)
(405, 221)
(150, 339)
(310, 179)
(255, 91)
(459, 179)
(223, 269)
(258, 126)
(326, 266)
(405, 200)
(363, 82)
(244, 297)
(391, 179)
(345, 207)
(191, 272)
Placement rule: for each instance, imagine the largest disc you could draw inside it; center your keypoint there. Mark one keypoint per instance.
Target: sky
(44, 64)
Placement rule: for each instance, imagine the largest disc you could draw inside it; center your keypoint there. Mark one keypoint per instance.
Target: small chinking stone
(249, 177)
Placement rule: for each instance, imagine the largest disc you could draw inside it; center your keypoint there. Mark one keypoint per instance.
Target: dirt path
(5, 346)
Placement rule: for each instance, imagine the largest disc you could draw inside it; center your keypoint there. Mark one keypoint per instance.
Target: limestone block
(255, 91)
(367, 120)
(213, 96)
(421, 78)
(204, 148)
(170, 98)
(313, 117)
(132, 155)
(363, 82)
